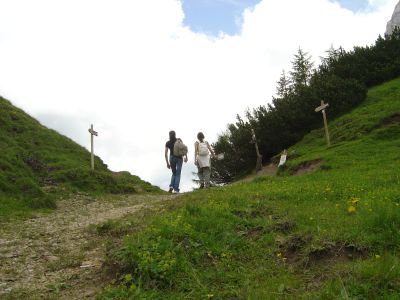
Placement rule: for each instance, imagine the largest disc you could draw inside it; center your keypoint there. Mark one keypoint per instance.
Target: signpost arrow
(322, 107)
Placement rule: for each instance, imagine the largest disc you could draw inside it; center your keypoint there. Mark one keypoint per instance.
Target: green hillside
(330, 233)
(37, 164)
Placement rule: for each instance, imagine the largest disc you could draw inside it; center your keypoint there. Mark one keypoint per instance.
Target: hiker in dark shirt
(174, 163)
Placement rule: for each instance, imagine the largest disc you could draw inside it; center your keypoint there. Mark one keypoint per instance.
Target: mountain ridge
(394, 21)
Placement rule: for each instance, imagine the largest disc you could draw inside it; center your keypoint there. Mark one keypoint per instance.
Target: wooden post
(322, 108)
(259, 156)
(92, 133)
(328, 140)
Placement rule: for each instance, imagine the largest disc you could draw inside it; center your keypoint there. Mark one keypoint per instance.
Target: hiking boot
(202, 186)
(170, 190)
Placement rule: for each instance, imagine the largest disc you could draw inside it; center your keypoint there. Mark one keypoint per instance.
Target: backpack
(180, 149)
(203, 149)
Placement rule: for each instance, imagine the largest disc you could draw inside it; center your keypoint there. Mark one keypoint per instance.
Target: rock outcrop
(395, 21)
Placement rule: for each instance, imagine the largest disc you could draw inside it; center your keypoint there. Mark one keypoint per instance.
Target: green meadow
(38, 166)
(326, 227)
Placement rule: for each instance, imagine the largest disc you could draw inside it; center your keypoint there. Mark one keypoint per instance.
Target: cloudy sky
(139, 68)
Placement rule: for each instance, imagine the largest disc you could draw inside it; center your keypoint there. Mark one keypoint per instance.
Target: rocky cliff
(394, 21)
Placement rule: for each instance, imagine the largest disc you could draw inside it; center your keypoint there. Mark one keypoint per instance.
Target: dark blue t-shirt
(170, 146)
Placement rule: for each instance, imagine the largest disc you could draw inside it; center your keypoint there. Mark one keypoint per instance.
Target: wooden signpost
(92, 133)
(322, 108)
(259, 156)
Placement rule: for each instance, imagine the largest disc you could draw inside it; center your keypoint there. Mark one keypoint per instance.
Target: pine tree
(302, 70)
(283, 89)
(332, 58)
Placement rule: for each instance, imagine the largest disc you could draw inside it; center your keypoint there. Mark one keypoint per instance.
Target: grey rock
(394, 21)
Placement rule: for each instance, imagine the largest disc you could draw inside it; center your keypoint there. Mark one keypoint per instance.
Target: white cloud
(133, 70)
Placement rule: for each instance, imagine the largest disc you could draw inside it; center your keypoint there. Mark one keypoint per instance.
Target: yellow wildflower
(351, 209)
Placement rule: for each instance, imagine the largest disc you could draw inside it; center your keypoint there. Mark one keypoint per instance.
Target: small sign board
(283, 160)
(93, 132)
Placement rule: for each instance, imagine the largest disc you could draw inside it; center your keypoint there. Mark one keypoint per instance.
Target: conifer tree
(302, 70)
(283, 89)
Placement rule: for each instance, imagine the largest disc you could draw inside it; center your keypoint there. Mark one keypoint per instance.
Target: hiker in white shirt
(202, 151)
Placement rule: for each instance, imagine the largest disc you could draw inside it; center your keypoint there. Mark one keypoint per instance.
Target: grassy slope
(331, 234)
(36, 163)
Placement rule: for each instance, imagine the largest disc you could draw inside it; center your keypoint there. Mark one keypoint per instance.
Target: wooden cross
(322, 108)
(92, 133)
(259, 156)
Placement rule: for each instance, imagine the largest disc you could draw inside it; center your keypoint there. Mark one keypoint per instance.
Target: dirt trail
(55, 256)
(269, 170)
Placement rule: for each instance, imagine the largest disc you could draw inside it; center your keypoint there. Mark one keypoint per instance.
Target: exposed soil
(256, 212)
(297, 253)
(269, 170)
(255, 232)
(55, 255)
(306, 167)
(283, 226)
(393, 119)
(272, 169)
(292, 247)
(334, 252)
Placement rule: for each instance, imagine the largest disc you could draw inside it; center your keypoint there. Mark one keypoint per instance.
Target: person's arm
(211, 150)
(166, 158)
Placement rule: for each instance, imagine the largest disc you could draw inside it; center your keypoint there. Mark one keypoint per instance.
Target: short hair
(172, 135)
(200, 136)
